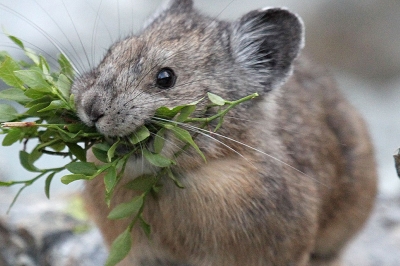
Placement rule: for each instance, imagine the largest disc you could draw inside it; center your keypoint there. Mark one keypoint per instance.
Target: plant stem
(224, 112)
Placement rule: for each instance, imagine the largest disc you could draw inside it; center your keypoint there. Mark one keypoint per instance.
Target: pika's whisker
(52, 40)
(77, 34)
(243, 144)
(63, 33)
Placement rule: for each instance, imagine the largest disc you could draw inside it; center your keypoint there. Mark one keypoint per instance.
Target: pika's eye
(166, 78)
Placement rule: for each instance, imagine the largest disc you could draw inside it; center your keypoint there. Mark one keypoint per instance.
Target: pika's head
(179, 56)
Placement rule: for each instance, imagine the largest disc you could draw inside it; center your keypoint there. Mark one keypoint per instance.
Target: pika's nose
(95, 115)
(94, 111)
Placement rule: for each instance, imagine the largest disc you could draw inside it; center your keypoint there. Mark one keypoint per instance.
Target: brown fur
(299, 207)
(312, 213)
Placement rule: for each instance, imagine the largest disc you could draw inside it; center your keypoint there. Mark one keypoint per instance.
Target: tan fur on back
(299, 185)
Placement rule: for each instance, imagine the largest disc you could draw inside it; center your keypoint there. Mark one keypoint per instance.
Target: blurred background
(359, 41)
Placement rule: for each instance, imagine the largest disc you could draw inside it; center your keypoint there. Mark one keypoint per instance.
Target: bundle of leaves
(50, 118)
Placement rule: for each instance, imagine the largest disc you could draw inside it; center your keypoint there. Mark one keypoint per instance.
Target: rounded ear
(265, 42)
(179, 6)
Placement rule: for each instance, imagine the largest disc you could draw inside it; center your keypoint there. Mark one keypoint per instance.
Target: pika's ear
(180, 5)
(171, 6)
(265, 42)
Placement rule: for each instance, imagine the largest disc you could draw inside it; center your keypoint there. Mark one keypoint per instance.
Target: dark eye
(166, 78)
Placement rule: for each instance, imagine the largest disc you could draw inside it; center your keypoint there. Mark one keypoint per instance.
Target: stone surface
(51, 236)
(40, 232)
(379, 243)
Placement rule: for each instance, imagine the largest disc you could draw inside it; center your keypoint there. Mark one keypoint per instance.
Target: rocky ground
(53, 233)
(379, 242)
(39, 232)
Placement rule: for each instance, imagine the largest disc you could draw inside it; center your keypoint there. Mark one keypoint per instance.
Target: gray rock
(379, 243)
(17, 247)
(83, 250)
(42, 233)
(49, 238)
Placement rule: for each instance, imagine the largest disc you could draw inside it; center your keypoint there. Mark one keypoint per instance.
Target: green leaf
(44, 66)
(32, 55)
(104, 146)
(33, 79)
(14, 94)
(110, 178)
(176, 181)
(13, 136)
(142, 183)
(71, 178)
(185, 136)
(215, 99)
(7, 68)
(145, 226)
(64, 134)
(104, 167)
(33, 111)
(58, 147)
(167, 113)
(47, 144)
(139, 135)
(47, 184)
(196, 102)
(75, 128)
(26, 163)
(66, 66)
(119, 248)
(44, 98)
(159, 141)
(126, 209)
(83, 168)
(16, 41)
(111, 151)
(36, 94)
(186, 112)
(35, 154)
(64, 86)
(108, 198)
(157, 188)
(157, 159)
(78, 151)
(72, 102)
(101, 155)
(54, 105)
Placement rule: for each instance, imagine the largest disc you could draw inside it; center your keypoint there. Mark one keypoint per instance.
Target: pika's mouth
(126, 144)
(125, 149)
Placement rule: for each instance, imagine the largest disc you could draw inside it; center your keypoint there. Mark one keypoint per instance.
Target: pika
(290, 178)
